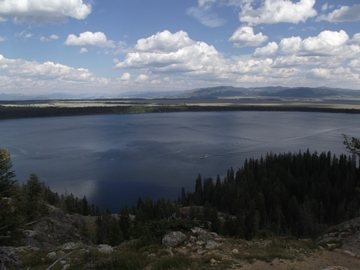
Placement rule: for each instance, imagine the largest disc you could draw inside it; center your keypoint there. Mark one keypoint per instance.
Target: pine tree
(10, 212)
(35, 206)
(114, 234)
(125, 222)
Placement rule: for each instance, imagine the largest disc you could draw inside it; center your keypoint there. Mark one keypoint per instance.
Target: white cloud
(318, 73)
(89, 38)
(270, 49)
(327, 43)
(276, 11)
(83, 50)
(121, 47)
(343, 14)
(206, 3)
(23, 34)
(2, 39)
(47, 70)
(355, 39)
(292, 61)
(252, 66)
(164, 42)
(296, 61)
(174, 53)
(52, 37)
(290, 45)
(125, 77)
(141, 78)
(325, 7)
(239, 3)
(32, 76)
(244, 36)
(205, 17)
(40, 11)
(354, 65)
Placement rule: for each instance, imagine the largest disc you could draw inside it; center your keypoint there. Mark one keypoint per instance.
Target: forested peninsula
(31, 111)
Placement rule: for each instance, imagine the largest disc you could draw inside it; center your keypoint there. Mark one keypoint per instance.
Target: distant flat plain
(241, 102)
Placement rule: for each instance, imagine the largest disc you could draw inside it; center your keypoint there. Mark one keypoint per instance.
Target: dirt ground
(320, 260)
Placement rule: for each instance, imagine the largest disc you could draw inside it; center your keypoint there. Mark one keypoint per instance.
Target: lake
(114, 159)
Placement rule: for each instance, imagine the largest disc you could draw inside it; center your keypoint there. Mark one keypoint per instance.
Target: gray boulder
(201, 234)
(212, 244)
(51, 255)
(351, 245)
(68, 246)
(346, 235)
(105, 249)
(173, 239)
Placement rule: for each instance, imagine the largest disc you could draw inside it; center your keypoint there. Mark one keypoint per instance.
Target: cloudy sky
(108, 47)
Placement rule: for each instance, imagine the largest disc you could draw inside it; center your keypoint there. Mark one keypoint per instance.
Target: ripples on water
(114, 159)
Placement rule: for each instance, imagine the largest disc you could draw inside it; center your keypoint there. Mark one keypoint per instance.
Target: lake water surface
(114, 159)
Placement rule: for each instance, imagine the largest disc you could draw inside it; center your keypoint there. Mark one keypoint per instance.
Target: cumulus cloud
(318, 73)
(52, 37)
(125, 77)
(89, 39)
(290, 45)
(288, 61)
(141, 78)
(206, 3)
(327, 43)
(252, 66)
(355, 39)
(2, 39)
(44, 71)
(276, 11)
(292, 60)
(354, 65)
(270, 49)
(244, 36)
(343, 14)
(83, 50)
(42, 11)
(164, 42)
(205, 17)
(165, 52)
(22, 75)
(325, 7)
(23, 34)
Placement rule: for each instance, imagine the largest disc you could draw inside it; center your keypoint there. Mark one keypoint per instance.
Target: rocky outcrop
(105, 249)
(196, 237)
(201, 234)
(173, 239)
(56, 229)
(345, 236)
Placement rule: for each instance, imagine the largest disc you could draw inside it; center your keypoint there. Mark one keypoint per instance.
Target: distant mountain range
(218, 92)
(277, 92)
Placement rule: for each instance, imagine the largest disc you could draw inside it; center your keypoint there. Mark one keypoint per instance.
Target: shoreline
(55, 108)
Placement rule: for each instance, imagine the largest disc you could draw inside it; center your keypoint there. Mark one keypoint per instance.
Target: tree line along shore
(14, 112)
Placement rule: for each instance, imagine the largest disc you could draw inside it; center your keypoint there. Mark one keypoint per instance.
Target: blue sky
(108, 47)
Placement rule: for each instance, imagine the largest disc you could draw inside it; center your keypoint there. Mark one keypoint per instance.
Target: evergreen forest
(291, 194)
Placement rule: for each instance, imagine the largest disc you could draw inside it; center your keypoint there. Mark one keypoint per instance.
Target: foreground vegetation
(233, 253)
(279, 195)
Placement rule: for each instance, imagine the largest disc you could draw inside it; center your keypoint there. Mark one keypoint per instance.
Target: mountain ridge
(216, 92)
